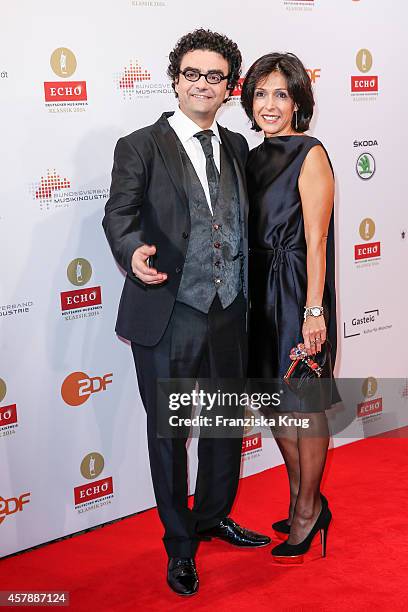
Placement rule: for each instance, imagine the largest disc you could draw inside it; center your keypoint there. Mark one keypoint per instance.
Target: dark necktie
(213, 176)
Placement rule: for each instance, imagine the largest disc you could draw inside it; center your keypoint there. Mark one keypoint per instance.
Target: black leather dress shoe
(232, 533)
(182, 576)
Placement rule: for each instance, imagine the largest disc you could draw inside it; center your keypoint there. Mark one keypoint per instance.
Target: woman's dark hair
(298, 85)
(208, 41)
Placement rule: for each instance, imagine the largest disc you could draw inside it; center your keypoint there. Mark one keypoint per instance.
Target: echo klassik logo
(364, 84)
(372, 404)
(369, 250)
(64, 96)
(90, 496)
(251, 441)
(78, 387)
(83, 302)
(8, 413)
(299, 5)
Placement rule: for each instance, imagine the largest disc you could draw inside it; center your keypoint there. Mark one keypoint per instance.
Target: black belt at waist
(278, 253)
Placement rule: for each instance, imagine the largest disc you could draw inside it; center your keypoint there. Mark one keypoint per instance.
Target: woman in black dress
(291, 268)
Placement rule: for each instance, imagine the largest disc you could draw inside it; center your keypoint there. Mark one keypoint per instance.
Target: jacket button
(217, 281)
(179, 269)
(185, 234)
(217, 245)
(216, 226)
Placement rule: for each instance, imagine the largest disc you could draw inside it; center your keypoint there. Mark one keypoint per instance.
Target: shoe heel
(323, 540)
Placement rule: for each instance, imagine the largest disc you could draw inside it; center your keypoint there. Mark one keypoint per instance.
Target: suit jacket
(148, 205)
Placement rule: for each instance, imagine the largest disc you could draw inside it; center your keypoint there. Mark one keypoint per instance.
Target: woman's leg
(287, 441)
(312, 447)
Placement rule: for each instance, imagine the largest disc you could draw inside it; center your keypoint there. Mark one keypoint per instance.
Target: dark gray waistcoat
(213, 259)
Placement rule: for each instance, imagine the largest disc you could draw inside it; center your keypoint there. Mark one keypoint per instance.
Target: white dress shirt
(185, 129)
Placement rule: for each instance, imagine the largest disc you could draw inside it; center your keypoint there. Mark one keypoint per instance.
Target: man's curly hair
(209, 41)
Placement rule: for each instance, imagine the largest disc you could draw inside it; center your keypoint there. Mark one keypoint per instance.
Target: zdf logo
(78, 386)
(314, 74)
(12, 505)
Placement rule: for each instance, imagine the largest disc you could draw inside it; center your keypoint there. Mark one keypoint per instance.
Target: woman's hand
(314, 334)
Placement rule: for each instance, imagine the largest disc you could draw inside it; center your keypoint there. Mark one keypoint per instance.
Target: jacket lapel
(240, 173)
(167, 145)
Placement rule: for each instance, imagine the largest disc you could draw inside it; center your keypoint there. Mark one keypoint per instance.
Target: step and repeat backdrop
(76, 76)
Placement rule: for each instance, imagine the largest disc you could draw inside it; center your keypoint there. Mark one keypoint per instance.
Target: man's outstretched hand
(150, 276)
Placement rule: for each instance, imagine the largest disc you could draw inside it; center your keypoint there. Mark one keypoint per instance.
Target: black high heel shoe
(282, 529)
(293, 553)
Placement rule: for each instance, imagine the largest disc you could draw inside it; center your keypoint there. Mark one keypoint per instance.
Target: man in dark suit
(176, 221)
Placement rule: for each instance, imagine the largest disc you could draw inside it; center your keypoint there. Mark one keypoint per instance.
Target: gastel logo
(63, 62)
(369, 387)
(12, 505)
(92, 465)
(78, 387)
(365, 166)
(250, 443)
(314, 74)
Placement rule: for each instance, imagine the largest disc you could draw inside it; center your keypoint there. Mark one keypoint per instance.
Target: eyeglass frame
(201, 74)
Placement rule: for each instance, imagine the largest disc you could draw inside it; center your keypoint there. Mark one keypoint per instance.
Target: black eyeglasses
(213, 78)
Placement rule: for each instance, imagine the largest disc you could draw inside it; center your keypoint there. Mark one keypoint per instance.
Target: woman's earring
(296, 123)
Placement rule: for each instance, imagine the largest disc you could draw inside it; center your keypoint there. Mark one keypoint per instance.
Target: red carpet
(122, 566)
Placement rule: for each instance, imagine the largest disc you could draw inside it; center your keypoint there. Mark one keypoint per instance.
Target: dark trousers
(194, 345)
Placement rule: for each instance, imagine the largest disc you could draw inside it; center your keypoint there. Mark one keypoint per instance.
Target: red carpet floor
(122, 566)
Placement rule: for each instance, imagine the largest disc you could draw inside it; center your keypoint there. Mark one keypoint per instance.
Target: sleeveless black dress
(277, 258)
